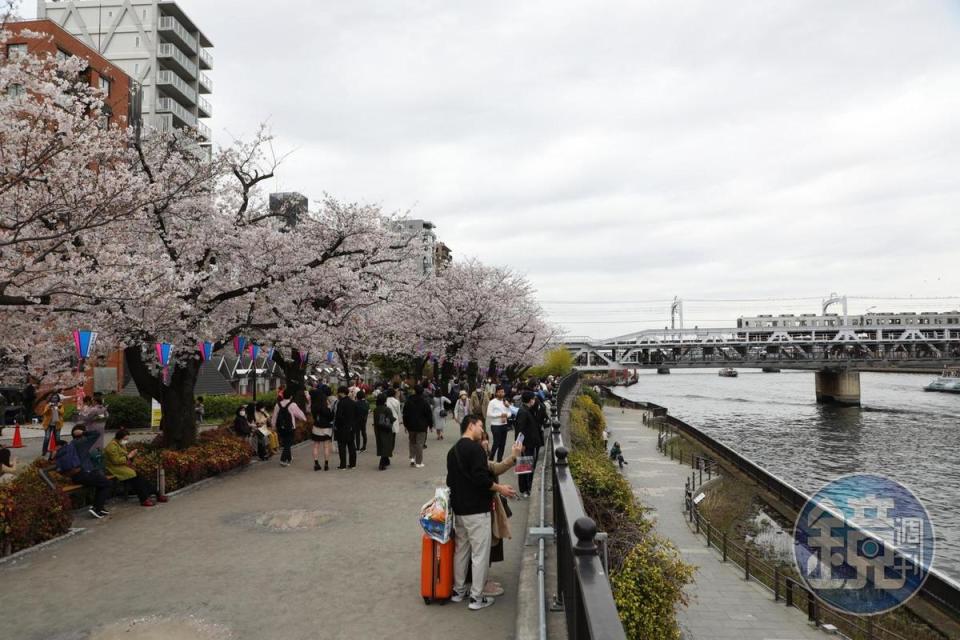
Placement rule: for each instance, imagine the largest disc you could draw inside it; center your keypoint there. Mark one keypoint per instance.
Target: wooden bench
(44, 469)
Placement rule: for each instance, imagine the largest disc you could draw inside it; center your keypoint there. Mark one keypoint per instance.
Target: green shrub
(593, 395)
(556, 362)
(127, 411)
(223, 407)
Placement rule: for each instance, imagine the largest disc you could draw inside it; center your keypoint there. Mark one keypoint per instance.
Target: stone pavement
(723, 606)
(267, 552)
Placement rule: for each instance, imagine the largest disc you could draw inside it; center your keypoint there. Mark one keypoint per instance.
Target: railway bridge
(836, 354)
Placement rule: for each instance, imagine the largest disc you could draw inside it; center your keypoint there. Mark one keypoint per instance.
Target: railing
(206, 59)
(205, 108)
(583, 585)
(938, 591)
(172, 51)
(169, 77)
(170, 23)
(172, 106)
(206, 84)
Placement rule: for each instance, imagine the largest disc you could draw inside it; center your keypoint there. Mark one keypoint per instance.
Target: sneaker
(457, 597)
(104, 511)
(492, 589)
(147, 503)
(420, 466)
(412, 463)
(482, 603)
(340, 466)
(163, 499)
(96, 514)
(284, 464)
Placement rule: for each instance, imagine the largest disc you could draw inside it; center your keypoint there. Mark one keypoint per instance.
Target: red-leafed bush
(31, 512)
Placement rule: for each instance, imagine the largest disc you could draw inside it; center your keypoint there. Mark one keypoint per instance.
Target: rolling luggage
(436, 571)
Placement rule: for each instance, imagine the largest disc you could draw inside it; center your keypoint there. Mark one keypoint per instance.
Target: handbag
(499, 521)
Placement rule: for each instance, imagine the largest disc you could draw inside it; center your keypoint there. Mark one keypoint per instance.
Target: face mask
(124, 442)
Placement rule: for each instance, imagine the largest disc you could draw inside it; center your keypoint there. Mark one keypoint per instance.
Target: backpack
(284, 419)
(384, 420)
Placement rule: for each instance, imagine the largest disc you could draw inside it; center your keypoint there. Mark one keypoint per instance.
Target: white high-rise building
(156, 44)
(424, 235)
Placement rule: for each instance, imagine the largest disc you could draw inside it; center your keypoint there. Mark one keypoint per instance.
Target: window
(16, 50)
(15, 90)
(136, 42)
(62, 55)
(105, 85)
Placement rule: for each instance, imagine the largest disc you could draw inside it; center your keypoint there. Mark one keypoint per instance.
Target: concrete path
(267, 552)
(723, 606)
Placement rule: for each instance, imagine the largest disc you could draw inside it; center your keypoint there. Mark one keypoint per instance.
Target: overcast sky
(626, 150)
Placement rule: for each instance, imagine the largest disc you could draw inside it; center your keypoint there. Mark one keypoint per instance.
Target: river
(772, 418)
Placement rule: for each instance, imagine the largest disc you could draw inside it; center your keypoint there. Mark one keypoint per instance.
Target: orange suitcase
(436, 571)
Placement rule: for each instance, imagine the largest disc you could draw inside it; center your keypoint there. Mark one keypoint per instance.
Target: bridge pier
(838, 387)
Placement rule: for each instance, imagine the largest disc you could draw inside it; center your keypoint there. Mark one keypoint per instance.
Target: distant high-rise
(156, 44)
(423, 234)
(291, 206)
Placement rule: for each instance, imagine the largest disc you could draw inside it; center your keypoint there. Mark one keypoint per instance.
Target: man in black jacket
(529, 427)
(363, 410)
(417, 418)
(344, 425)
(472, 486)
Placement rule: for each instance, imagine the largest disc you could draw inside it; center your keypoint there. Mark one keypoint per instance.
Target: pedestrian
(94, 416)
(199, 410)
(117, 458)
(29, 402)
(383, 423)
(462, 408)
(529, 428)
(363, 410)
(605, 436)
(344, 425)
(617, 454)
(285, 414)
(52, 422)
(472, 486)
(265, 437)
(441, 409)
(393, 403)
(8, 465)
(322, 430)
(417, 418)
(497, 415)
(73, 461)
(500, 513)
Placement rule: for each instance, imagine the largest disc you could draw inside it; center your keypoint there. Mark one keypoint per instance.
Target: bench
(44, 469)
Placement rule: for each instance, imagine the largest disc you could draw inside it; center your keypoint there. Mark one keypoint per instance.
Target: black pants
(525, 481)
(499, 441)
(361, 434)
(99, 483)
(348, 445)
(286, 441)
(141, 487)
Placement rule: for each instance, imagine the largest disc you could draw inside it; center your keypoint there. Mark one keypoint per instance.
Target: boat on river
(727, 372)
(947, 382)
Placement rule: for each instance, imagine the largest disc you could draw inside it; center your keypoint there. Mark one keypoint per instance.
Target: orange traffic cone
(17, 440)
(52, 445)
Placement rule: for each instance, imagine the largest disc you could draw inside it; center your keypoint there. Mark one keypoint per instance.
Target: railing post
(696, 518)
(812, 609)
(701, 473)
(788, 584)
(776, 583)
(724, 546)
(746, 562)
(708, 535)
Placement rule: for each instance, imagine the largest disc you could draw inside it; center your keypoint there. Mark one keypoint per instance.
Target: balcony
(176, 86)
(177, 33)
(169, 105)
(204, 131)
(172, 55)
(206, 111)
(206, 84)
(206, 59)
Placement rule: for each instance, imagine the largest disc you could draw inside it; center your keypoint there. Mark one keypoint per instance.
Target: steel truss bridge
(814, 349)
(844, 349)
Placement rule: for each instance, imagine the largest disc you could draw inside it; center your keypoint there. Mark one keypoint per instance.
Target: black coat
(528, 426)
(362, 410)
(345, 419)
(417, 414)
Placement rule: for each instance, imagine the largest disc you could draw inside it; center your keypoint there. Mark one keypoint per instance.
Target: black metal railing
(583, 586)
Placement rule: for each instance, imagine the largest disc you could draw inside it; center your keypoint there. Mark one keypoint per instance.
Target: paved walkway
(723, 606)
(266, 552)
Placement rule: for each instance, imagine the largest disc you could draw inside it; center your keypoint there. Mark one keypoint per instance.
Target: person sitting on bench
(117, 459)
(73, 461)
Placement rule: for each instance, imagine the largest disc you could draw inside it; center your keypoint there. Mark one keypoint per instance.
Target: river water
(900, 431)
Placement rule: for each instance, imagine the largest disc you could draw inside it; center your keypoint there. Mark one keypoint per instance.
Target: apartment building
(40, 37)
(157, 45)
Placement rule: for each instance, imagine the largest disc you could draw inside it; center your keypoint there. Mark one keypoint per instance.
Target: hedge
(127, 411)
(222, 407)
(646, 572)
(31, 512)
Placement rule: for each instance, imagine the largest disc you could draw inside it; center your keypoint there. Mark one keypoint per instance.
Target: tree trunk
(418, 365)
(345, 363)
(472, 374)
(178, 423)
(295, 377)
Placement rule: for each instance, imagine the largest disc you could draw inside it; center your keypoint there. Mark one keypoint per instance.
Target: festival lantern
(239, 345)
(83, 340)
(270, 354)
(329, 357)
(164, 351)
(303, 356)
(254, 351)
(206, 350)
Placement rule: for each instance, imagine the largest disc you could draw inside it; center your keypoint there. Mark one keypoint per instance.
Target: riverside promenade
(723, 606)
(266, 552)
